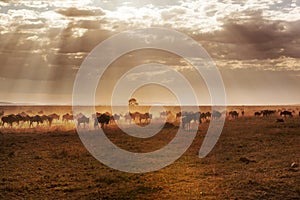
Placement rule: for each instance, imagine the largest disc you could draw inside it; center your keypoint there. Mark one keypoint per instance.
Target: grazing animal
(234, 114)
(267, 113)
(139, 116)
(104, 119)
(196, 116)
(96, 123)
(186, 122)
(46, 118)
(188, 117)
(78, 116)
(216, 115)
(67, 117)
(24, 118)
(54, 116)
(272, 112)
(146, 117)
(208, 115)
(257, 114)
(9, 120)
(114, 118)
(286, 113)
(202, 116)
(83, 120)
(38, 119)
(134, 116)
(299, 113)
(243, 113)
(178, 115)
(19, 118)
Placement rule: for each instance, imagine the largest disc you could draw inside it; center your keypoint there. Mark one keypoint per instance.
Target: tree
(132, 102)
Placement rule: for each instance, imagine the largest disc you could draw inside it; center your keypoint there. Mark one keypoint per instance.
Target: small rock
(246, 160)
(294, 165)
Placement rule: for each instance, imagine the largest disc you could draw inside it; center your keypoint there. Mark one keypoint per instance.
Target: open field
(252, 160)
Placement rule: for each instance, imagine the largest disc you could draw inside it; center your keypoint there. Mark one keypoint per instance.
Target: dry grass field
(252, 160)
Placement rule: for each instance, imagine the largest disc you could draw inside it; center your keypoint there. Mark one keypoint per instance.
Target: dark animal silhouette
(203, 116)
(67, 117)
(178, 115)
(50, 118)
(208, 115)
(83, 120)
(47, 119)
(134, 116)
(19, 118)
(9, 120)
(234, 114)
(216, 115)
(286, 113)
(186, 122)
(267, 113)
(54, 116)
(146, 117)
(104, 119)
(257, 114)
(24, 118)
(114, 118)
(243, 113)
(38, 119)
(188, 117)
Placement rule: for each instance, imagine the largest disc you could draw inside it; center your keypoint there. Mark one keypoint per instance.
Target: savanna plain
(255, 157)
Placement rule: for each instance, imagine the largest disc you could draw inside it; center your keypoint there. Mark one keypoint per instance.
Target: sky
(255, 44)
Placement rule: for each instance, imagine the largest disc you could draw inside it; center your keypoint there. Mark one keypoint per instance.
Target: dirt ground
(252, 160)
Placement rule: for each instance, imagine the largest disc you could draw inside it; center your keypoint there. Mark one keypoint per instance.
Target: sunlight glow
(47, 40)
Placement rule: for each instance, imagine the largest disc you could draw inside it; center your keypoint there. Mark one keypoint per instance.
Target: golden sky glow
(255, 44)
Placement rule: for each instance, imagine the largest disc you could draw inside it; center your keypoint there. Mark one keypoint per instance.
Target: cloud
(75, 12)
(282, 64)
(47, 40)
(253, 38)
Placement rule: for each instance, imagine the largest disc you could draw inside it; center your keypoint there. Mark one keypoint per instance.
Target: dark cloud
(254, 38)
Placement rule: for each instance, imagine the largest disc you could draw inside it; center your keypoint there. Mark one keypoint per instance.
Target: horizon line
(156, 105)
